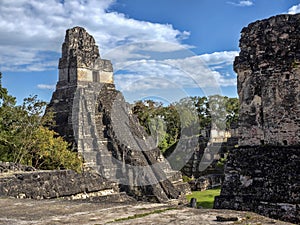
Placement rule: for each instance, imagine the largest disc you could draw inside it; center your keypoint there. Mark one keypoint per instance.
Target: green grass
(204, 198)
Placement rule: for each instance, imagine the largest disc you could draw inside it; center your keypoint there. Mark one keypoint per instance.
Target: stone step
(92, 140)
(108, 170)
(174, 176)
(103, 158)
(183, 187)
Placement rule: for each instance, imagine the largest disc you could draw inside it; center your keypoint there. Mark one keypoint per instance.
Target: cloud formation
(183, 73)
(46, 86)
(29, 27)
(294, 9)
(219, 58)
(242, 3)
(145, 55)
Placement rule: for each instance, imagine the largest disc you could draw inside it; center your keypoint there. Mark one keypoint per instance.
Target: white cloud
(127, 54)
(219, 58)
(294, 9)
(46, 86)
(145, 55)
(181, 73)
(242, 3)
(34, 26)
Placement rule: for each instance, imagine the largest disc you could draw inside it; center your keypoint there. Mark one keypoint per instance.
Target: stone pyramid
(94, 117)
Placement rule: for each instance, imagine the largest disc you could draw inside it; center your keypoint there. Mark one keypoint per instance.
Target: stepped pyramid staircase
(102, 130)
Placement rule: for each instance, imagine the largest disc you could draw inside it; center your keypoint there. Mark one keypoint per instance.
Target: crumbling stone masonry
(92, 115)
(26, 182)
(263, 174)
(268, 69)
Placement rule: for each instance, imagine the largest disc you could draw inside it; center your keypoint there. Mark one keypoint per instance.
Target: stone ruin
(268, 69)
(263, 174)
(92, 115)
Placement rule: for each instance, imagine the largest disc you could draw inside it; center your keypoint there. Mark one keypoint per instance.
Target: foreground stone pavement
(25, 211)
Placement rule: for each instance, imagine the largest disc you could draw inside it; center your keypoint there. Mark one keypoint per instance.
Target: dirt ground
(26, 211)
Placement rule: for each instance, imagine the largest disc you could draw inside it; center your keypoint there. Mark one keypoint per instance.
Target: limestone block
(84, 75)
(106, 77)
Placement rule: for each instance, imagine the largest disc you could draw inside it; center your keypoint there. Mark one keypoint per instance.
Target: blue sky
(165, 49)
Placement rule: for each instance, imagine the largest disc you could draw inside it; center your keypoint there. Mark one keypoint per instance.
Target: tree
(224, 111)
(162, 122)
(187, 112)
(232, 107)
(25, 139)
(188, 116)
(51, 152)
(5, 98)
(202, 107)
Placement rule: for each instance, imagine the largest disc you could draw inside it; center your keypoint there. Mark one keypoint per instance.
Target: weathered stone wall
(8, 167)
(265, 180)
(263, 174)
(61, 104)
(268, 69)
(204, 160)
(26, 182)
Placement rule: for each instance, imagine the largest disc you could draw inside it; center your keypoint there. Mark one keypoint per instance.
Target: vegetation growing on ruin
(186, 178)
(25, 138)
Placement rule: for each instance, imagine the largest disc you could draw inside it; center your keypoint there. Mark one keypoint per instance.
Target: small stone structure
(206, 182)
(210, 147)
(263, 174)
(92, 115)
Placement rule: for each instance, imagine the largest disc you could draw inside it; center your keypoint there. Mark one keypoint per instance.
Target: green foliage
(25, 139)
(51, 152)
(217, 111)
(221, 162)
(232, 111)
(161, 122)
(206, 198)
(188, 116)
(295, 64)
(224, 111)
(6, 100)
(186, 178)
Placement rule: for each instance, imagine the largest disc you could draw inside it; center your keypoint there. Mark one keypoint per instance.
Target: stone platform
(25, 211)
